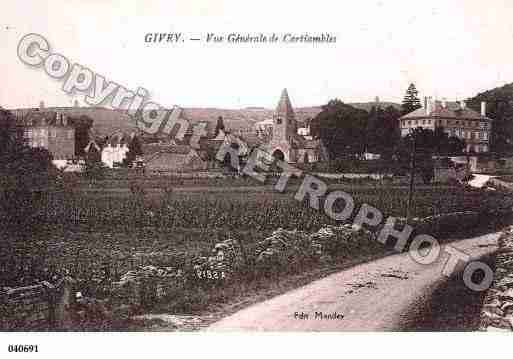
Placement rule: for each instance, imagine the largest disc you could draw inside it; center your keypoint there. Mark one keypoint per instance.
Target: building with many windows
(456, 119)
(49, 130)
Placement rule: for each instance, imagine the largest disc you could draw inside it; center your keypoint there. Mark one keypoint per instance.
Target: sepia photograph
(196, 171)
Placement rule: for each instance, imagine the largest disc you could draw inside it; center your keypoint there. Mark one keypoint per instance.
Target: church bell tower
(284, 123)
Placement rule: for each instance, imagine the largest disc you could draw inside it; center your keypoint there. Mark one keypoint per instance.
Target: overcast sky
(450, 49)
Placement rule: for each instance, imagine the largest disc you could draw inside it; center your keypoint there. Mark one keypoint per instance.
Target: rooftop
(450, 110)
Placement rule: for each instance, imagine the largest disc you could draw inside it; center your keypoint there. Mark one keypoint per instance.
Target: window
(70, 134)
(44, 132)
(278, 121)
(485, 135)
(53, 133)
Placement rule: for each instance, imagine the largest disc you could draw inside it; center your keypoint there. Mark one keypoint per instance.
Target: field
(99, 234)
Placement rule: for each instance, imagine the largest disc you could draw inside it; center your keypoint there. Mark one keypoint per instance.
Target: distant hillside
(108, 121)
(367, 106)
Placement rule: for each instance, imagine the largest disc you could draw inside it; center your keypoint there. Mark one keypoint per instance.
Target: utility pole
(412, 179)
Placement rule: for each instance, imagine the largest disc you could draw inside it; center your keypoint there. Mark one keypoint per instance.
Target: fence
(41, 307)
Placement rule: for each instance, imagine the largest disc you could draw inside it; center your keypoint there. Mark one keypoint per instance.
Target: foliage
(25, 174)
(382, 133)
(134, 150)
(219, 125)
(94, 169)
(341, 127)
(411, 100)
(82, 127)
(420, 143)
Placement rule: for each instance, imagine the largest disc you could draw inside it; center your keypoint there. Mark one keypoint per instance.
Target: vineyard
(263, 210)
(97, 239)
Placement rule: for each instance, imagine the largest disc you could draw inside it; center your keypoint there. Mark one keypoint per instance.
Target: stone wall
(37, 307)
(497, 312)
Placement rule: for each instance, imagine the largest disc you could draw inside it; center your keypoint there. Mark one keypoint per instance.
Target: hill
(108, 121)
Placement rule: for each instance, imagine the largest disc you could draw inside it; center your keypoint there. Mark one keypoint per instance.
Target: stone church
(285, 143)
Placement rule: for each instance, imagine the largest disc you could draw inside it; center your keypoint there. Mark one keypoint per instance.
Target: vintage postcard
(269, 166)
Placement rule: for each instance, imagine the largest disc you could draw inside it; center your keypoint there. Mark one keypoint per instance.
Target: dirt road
(392, 293)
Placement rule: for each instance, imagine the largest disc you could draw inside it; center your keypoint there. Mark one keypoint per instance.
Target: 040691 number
(22, 348)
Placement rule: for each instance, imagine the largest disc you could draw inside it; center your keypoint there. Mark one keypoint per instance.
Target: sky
(451, 49)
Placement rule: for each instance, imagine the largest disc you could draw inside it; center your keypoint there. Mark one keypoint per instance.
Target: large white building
(456, 119)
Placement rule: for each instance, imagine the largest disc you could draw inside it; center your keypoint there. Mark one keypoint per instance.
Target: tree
(341, 127)
(219, 125)
(134, 150)
(382, 134)
(443, 144)
(25, 174)
(82, 127)
(94, 169)
(411, 100)
(421, 144)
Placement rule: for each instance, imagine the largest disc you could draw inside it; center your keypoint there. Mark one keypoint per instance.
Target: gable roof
(451, 110)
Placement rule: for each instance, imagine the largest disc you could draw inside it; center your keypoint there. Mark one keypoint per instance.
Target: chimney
(64, 120)
(426, 105)
(444, 102)
(429, 107)
(75, 104)
(483, 108)
(41, 105)
(463, 105)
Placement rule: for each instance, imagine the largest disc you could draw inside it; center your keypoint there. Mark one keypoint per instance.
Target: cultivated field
(123, 228)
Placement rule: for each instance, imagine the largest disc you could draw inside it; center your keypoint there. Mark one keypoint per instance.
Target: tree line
(349, 131)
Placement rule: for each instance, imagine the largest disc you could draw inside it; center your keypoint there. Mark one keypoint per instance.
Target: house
(115, 150)
(456, 119)
(162, 158)
(50, 130)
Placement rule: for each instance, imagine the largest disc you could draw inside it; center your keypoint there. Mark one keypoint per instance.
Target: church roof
(284, 106)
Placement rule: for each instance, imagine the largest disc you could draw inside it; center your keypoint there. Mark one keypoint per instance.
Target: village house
(161, 158)
(456, 119)
(49, 130)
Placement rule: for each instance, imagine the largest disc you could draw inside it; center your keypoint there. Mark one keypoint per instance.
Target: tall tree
(421, 144)
(134, 150)
(341, 127)
(82, 127)
(219, 125)
(411, 100)
(382, 132)
(25, 173)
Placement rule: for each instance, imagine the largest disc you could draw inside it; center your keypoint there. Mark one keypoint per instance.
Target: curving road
(392, 293)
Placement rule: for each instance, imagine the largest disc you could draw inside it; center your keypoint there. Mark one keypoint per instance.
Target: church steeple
(284, 122)
(284, 106)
